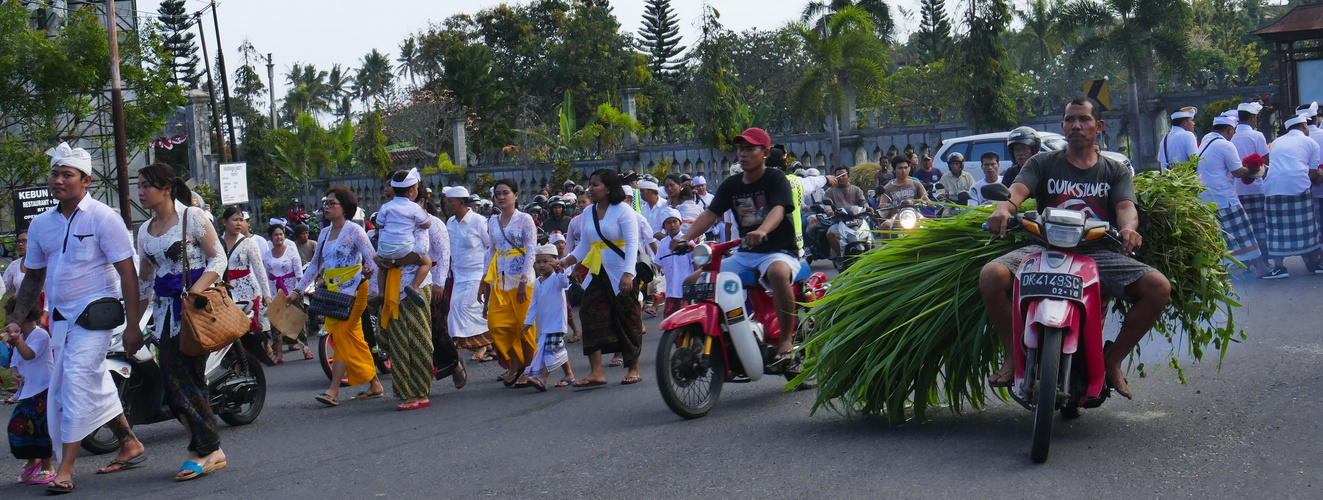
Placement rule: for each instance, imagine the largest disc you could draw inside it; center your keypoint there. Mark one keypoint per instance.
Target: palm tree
(338, 95)
(845, 56)
(373, 79)
(308, 92)
(1043, 31)
(1139, 34)
(409, 59)
(819, 11)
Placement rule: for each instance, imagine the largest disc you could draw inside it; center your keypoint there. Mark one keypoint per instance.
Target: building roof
(411, 153)
(1304, 22)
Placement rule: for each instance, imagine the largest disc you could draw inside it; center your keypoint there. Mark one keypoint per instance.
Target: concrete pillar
(457, 135)
(197, 126)
(629, 105)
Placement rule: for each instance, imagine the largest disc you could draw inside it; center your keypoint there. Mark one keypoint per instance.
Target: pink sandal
(28, 473)
(44, 477)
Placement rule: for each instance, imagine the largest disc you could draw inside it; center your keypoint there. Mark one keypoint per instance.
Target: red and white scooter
(725, 334)
(1058, 318)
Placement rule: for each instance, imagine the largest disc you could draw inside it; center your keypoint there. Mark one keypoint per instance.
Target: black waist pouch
(106, 313)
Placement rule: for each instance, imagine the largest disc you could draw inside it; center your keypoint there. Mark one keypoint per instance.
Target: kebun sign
(29, 203)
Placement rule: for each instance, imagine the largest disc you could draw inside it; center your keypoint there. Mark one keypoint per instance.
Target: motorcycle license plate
(1054, 285)
(699, 291)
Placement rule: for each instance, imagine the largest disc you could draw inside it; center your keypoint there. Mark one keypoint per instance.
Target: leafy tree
(181, 55)
(471, 76)
(370, 146)
(53, 88)
(373, 79)
(818, 13)
(934, 36)
(308, 150)
(660, 37)
(770, 64)
(844, 58)
(717, 102)
(983, 67)
(421, 118)
(339, 97)
(308, 92)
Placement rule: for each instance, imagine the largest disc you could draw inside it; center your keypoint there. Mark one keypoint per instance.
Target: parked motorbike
(236, 384)
(726, 334)
(1058, 323)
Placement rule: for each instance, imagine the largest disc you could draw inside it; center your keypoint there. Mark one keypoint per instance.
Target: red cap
(755, 136)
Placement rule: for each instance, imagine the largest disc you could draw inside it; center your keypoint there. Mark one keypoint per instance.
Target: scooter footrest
(1095, 402)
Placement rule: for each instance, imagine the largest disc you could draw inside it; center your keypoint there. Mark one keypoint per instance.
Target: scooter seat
(749, 278)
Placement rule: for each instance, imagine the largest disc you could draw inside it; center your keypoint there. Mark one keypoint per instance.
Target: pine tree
(933, 40)
(183, 54)
(661, 37)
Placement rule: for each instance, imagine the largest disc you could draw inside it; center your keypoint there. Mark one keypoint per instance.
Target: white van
(973, 147)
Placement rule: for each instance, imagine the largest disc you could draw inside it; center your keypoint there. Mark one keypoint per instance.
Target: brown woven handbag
(210, 320)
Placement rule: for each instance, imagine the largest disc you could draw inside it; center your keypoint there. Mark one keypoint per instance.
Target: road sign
(233, 183)
(1097, 89)
(29, 203)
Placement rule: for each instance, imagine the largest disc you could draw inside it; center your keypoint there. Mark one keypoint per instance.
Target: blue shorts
(742, 261)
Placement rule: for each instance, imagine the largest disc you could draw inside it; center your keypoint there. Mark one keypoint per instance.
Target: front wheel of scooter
(689, 388)
(1049, 369)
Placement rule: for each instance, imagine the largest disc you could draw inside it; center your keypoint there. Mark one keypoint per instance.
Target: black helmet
(557, 201)
(1024, 135)
(539, 200)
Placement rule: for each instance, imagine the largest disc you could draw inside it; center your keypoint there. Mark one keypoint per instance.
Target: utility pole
(225, 81)
(271, 83)
(211, 89)
(117, 117)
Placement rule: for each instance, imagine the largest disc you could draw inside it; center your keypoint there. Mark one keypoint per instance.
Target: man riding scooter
(1023, 143)
(762, 202)
(1079, 178)
(842, 196)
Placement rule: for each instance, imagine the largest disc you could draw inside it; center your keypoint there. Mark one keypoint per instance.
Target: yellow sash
(338, 276)
(594, 259)
(500, 254)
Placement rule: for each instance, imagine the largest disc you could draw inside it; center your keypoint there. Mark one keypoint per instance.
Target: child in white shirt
(547, 312)
(404, 222)
(675, 267)
(29, 437)
(559, 240)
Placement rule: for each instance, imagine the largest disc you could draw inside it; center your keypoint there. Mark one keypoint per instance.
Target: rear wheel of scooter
(1049, 369)
(325, 353)
(103, 440)
(689, 390)
(249, 411)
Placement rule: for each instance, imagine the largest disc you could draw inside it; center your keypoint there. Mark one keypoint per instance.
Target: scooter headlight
(702, 254)
(1060, 235)
(908, 219)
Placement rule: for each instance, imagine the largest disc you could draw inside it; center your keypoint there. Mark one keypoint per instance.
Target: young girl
(28, 436)
(547, 313)
(675, 267)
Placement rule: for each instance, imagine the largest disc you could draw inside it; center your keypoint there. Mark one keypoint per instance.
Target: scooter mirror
(996, 192)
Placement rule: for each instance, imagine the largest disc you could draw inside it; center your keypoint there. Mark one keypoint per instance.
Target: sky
(324, 32)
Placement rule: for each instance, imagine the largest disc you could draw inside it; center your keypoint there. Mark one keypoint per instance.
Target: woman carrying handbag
(163, 247)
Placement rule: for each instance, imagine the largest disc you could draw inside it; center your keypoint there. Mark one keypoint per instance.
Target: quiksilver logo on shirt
(1077, 189)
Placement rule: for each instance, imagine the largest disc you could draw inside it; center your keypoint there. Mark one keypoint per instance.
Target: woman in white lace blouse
(246, 271)
(284, 271)
(343, 259)
(509, 282)
(162, 250)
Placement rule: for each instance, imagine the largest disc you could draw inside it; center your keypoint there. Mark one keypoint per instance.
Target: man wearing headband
(1316, 134)
(1180, 143)
(1291, 226)
(468, 264)
(79, 252)
(1219, 167)
(403, 225)
(1252, 147)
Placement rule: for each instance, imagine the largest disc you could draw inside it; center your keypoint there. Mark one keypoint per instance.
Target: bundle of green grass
(904, 328)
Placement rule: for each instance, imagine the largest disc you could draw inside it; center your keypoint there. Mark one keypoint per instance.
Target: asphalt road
(1251, 429)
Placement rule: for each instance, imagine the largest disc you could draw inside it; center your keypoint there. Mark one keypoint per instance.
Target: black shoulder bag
(642, 271)
(324, 302)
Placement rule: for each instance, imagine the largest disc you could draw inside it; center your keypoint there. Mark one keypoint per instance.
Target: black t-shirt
(1054, 182)
(1008, 177)
(752, 202)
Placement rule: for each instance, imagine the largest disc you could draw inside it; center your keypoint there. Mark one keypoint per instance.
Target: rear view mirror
(996, 192)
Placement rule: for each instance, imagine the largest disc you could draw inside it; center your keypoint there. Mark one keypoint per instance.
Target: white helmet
(812, 172)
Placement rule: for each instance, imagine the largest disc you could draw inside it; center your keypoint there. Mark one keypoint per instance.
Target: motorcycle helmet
(1024, 135)
(813, 172)
(557, 201)
(539, 200)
